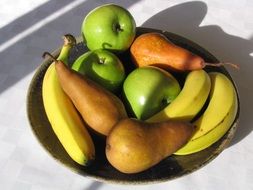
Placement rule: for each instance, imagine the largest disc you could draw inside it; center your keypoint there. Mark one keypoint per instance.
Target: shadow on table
(29, 19)
(94, 185)
(185, 19)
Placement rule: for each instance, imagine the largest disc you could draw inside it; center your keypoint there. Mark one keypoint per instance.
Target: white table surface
(29, 27)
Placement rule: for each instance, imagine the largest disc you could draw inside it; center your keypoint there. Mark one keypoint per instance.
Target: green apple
(109, 27)
(148, 90)
(103, 67)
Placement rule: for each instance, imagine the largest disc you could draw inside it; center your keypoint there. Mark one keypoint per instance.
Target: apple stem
(165, 101)
(102, 60)
(118, 28)
(45, 54)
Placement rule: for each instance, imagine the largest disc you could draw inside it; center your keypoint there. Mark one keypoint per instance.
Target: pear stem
(45, 54)
(223, 63)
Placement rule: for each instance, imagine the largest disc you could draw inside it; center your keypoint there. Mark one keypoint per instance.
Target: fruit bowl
(170, 168)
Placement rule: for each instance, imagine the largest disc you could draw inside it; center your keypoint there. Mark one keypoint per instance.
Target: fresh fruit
(134, 146)
(148, 90)
(62, 115)
(156, 49)
(190, 100)
(103, 67)
(212, 136)
(222, 98)
(109, 27)
(99, 108)
(218, 116)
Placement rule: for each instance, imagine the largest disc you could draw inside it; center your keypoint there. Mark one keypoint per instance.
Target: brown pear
(155, 49)
(134, 146)
(99, 108)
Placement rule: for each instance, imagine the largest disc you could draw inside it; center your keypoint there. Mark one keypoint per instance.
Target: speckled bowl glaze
(170, 168)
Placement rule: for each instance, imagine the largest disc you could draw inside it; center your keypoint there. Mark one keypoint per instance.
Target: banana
(217, 118)
(62, 115)
(189, 101)
(221, 101)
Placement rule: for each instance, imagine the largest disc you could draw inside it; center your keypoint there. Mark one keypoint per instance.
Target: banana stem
(69, 40)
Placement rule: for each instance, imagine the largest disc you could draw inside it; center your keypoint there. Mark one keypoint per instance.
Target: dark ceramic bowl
(170, 168)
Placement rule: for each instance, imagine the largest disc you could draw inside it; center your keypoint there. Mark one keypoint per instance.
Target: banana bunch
(189, 101)
(63, 116)
(217, 118)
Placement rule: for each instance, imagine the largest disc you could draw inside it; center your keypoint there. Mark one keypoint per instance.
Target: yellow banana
(221, 101)
(62, 115)
(189, 101)
(206, 140)
(217, 118)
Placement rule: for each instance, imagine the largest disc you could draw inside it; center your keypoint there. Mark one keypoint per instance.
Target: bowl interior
(170, 168)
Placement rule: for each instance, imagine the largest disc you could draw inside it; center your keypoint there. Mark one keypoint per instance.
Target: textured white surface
(27, 29)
